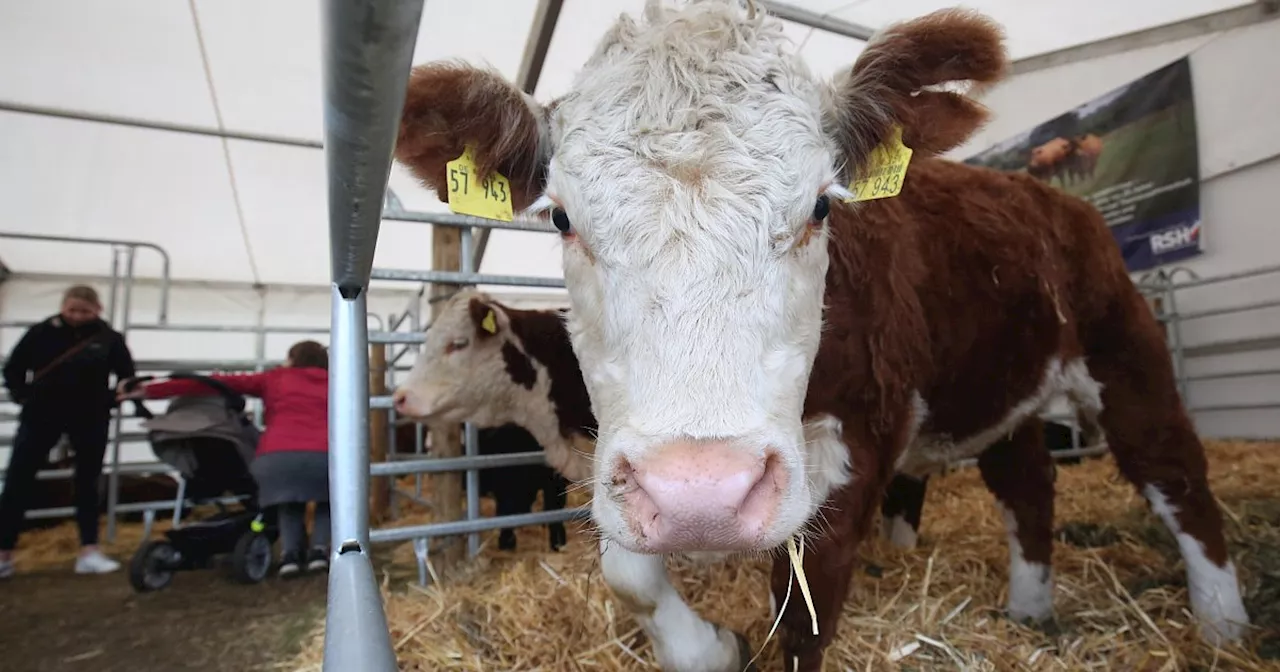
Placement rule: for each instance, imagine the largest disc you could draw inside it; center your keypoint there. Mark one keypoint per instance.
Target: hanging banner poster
(1132, 153)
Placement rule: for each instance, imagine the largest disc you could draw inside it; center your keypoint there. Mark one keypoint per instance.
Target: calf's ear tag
(489, 323)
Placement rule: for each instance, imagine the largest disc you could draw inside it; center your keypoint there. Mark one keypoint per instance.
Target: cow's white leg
(1213, 589)
(1018, 470)
(897, 531)
(1030, 582)
(682, 640)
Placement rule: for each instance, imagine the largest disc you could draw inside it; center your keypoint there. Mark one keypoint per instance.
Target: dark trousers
(37, 435)
(292, 519)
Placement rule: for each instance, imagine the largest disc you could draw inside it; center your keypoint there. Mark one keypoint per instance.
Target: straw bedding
(1120, 593)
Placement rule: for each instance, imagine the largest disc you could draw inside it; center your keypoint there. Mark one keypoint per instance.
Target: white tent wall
(1236, 95)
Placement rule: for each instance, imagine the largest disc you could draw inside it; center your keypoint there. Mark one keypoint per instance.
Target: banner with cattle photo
(1132, 153)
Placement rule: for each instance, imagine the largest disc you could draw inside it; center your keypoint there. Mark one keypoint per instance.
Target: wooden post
(446, 440)
(380, 489)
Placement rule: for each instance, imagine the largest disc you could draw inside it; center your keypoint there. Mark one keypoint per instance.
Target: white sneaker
(6, 569)
(95, 562)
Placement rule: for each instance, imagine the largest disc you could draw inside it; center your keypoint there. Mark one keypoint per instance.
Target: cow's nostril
(624, 475)
(399, 399)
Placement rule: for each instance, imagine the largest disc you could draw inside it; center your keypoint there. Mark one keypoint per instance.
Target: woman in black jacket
(58, 372)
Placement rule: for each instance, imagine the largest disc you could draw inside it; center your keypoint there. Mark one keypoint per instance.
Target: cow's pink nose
(400, 400)
(701, 496)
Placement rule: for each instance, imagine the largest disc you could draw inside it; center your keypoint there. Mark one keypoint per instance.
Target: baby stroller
(211, 442)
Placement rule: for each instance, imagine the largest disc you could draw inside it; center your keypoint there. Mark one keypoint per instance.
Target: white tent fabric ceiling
(260, 74)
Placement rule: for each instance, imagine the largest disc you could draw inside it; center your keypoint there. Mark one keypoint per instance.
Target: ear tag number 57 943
(468, 195)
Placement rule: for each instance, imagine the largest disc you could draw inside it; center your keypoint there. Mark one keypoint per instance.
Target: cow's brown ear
(895, 82)
(486, 317)
(451, 105)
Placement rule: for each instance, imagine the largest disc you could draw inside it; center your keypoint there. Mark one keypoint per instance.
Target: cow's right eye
(561, 219)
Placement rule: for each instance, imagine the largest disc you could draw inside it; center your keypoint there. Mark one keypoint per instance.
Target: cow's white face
(689, 161)
(691, 169)
(462, 374)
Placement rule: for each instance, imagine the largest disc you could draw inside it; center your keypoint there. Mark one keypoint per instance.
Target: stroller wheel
(151, 567)
(251, 559)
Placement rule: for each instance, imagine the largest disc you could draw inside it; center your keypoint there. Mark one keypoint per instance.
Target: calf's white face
(690, 160)
(462, 374)
(690, 171)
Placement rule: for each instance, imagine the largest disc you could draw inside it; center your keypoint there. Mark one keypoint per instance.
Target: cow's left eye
(822, 208)
(456, 345)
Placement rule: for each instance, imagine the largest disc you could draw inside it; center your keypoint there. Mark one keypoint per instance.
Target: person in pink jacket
(291, 465)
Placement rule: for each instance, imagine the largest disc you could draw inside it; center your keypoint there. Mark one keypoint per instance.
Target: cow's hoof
(1046, 625)
(745, 654)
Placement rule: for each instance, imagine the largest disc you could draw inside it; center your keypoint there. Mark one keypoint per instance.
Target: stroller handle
(132, 384)
(139, 409)
(235, 400)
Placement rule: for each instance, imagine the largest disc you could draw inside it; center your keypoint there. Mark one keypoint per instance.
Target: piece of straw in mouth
(796, 574)
(797, 566)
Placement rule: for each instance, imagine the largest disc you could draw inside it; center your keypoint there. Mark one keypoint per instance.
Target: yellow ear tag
(489, 323)
(489, 198)
(885, 171)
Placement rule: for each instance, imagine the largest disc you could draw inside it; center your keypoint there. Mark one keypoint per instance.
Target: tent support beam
(1248, 15)
(78, 115)
(818, 21)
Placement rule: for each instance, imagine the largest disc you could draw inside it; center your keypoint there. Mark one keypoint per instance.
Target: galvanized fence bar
(408, 338)
(114, 294)
(1218, 408)
(113, 479)
(467, 221)
(1223, 375)
(1229, 310)
(1246, 274)
(132, 245)
(159, 365)
(1168, 288)
(460, 278)
(459, 527)
(126, 437)
(132, 507)
(440, 465)
(1057, 455)
(127, 469)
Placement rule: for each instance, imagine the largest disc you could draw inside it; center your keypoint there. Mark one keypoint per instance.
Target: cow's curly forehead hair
(689, 122)
(661, 88)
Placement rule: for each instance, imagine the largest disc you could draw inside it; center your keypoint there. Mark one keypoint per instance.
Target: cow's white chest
(930, 453)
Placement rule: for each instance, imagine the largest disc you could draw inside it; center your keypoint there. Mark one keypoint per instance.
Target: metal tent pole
(368, 49)
(113, 479)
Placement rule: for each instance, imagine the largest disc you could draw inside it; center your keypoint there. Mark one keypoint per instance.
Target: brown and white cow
(1084, 154)
(724, 292)
(1049, 159)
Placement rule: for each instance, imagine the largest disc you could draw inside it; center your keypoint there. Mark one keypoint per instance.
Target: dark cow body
(514, 489)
